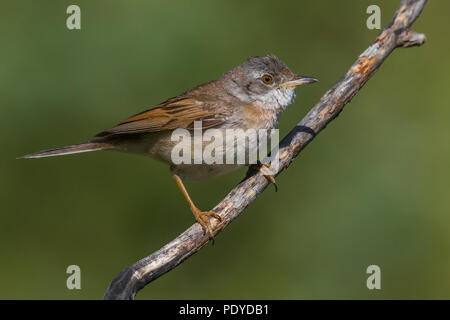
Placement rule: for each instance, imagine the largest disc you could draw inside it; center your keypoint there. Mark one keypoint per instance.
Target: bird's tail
(75, 148)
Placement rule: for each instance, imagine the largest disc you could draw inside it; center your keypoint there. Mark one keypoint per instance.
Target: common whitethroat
(249, 96)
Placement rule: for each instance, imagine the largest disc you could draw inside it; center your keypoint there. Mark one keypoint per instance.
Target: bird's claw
(265, 170)
(202, 217)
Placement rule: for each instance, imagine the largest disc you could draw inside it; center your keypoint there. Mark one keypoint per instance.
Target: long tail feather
(75, 148)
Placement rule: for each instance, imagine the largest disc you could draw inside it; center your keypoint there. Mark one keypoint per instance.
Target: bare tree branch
(395, 34)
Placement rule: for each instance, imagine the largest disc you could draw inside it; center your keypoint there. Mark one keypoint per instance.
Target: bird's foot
(265, 170)
(203, 219)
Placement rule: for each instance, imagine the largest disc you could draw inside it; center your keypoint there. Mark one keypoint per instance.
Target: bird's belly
(202, 156)
(203, 171)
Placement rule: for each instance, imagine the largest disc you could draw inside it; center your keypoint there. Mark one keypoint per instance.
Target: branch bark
(395, 34)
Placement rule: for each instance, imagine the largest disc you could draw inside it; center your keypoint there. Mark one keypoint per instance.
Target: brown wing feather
(171, 114)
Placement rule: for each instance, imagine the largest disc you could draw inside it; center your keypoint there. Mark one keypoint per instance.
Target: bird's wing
(179, 112)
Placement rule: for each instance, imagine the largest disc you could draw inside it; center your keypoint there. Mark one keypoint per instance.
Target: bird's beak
(298, 81)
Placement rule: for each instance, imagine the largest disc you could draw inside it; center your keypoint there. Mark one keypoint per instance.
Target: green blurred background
(373, 188)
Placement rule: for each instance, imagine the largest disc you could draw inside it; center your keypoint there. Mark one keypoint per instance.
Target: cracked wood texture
(395, 34)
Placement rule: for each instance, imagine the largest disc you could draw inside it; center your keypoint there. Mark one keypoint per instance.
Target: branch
(395, 34)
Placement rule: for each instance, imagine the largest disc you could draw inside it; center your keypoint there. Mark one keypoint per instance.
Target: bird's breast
(253, 116)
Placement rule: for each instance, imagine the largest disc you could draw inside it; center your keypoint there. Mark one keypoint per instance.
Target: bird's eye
(267, 78)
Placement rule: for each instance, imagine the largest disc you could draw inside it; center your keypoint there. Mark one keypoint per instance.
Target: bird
(251, 95)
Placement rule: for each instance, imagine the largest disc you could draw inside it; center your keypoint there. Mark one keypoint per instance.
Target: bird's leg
(264, 168)
(200, 216)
